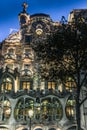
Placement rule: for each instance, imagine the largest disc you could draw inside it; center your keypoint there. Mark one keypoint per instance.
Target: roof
(40, 14)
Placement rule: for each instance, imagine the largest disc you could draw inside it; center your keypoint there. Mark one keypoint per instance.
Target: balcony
(9, 57)
(26, 72)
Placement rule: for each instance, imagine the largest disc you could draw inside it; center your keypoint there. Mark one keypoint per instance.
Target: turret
(24, 17)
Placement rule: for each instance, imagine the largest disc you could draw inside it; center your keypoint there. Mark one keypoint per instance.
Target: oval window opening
(38, 129)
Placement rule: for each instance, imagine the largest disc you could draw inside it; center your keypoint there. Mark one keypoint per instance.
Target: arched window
(5, 108)
(6, 84)
(71, 108)
(22, 108)
(51, 109)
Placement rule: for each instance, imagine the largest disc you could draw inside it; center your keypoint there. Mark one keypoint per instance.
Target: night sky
(9, 10)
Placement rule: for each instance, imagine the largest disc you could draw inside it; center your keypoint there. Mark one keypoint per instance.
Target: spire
(25, 5)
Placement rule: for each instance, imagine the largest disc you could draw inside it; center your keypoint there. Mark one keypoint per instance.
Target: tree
(64, 53)
(74, 59)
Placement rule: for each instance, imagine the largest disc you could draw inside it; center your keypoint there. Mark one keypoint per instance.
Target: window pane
(22, 108)
(51, 85)
(26, 85)
(51, 109)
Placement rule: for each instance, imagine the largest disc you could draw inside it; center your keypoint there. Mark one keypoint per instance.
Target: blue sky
(9, 10)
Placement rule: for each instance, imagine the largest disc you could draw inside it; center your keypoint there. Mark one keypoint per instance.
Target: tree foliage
(64, 53)
(63, 50)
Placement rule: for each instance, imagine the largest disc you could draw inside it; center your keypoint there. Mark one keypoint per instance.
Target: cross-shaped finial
(25, 5)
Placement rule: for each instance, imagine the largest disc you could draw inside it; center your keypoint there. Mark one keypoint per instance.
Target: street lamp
(30, 113)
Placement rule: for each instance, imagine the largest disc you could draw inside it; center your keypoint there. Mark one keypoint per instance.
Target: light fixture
(30, 113)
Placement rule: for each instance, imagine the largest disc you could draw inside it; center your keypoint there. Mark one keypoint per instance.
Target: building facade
(28, 101)
(74, 14)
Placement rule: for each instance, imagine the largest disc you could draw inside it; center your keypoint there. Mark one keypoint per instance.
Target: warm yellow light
(60, 87)
(39, 31)
(8, 111)
(30, 113)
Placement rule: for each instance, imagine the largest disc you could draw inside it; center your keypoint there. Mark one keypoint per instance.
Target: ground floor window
(5, 108)
(71, 108)
(22, 108)
(51, 109)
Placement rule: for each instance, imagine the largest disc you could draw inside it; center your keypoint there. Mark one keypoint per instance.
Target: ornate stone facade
(21, 87)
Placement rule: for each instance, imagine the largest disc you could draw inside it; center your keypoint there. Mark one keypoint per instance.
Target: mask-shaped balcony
(26, 72)
(27, 57)
(9, 57)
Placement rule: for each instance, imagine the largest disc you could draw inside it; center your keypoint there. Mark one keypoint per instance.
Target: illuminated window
(60, 87)
(5, 108)
(51, 85)
(51, 109)
(7, 84)
(26, 85)
(22, 108)
(70, 108)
